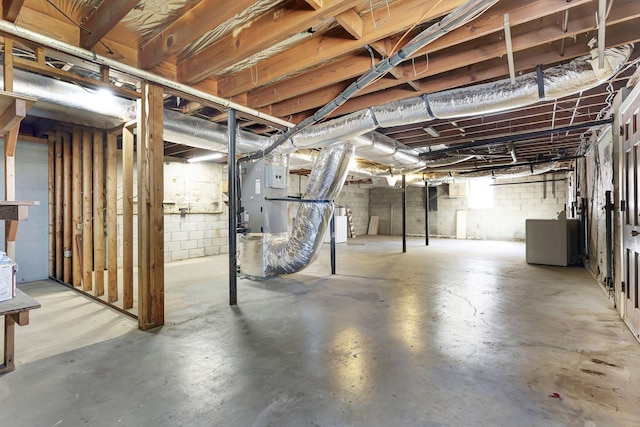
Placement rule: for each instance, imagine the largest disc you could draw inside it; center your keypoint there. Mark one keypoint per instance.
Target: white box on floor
(341, 230)
(7, 282)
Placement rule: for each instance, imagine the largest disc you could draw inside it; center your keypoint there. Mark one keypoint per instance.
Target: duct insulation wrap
(67, 102)
(285, 253)
(516, 171)
(576, 76)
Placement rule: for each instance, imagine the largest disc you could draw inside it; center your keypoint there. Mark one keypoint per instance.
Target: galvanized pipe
(404, 213)
(233, 204)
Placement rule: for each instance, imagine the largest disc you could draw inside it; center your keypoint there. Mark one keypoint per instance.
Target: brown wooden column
(150, 209)
(112, 219)
(98, 211)
(127, 218)
(58, 200)
(87, 211)
(76, 206)
(67, 220)
(10, 140)
(52, 210)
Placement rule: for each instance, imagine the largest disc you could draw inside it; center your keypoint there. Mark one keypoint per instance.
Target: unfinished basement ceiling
(289, 58)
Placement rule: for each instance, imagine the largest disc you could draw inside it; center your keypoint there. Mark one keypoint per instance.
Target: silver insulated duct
(267, 255)
(66, 102)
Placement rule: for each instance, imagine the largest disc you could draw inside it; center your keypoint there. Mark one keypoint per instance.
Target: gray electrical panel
(260, 180)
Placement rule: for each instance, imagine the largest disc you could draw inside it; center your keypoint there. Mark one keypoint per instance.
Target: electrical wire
(453, 20)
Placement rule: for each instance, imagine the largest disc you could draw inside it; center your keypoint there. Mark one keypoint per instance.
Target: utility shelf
(15, 210)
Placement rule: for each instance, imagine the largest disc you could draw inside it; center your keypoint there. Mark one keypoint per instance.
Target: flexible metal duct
(516, 171)
(563, 80)
(285, 253)
(64, 101)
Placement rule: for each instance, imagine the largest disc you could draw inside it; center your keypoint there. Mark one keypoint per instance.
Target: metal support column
(609, 243)
(333, 243)
(426, 214)
(585, 228)
(233, 207)
(404, 213)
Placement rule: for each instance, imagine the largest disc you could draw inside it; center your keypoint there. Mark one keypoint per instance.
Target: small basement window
(480, 194)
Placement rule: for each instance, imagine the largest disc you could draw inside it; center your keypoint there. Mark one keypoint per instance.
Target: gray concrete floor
(462, 333)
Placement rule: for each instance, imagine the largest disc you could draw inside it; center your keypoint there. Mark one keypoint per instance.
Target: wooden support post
(7, 65)
(9, 340)
(87, 212)
(76, 206)
(142, 153)
(52, 210)
(11, 227)
(67, 220)
(112, 219)
(58, 196)
(150, 210)
(98, 211)
(127, 218)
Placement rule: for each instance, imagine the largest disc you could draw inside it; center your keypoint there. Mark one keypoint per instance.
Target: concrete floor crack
(475, 309)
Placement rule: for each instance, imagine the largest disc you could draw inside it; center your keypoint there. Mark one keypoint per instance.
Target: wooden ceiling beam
(271, 28)
(104, 18)
(316, 4)
(318, 50)
(349, 67)
(11, 9)
(194, 23)
(341, 69)
(351, 22)
(447, 61)
(526, 60)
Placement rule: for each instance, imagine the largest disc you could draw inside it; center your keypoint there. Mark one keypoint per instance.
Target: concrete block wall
(386, 203)
(32, 183)
(195, 235)
(357, 198)
(186, 236)
(352, 195)
(513, 204)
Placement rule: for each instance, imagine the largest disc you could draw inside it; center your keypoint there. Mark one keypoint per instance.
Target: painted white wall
(513, 204)
(32, 244)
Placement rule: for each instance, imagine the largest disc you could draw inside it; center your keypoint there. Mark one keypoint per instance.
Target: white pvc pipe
(23, 33)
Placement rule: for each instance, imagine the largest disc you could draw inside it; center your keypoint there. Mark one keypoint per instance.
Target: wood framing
(103, 19)
(87, 211)
(112, 219)
(67, 219)
(98, 211)
(76, 206)
(150, 210)
(58, 197)
(52, 207)
(11, 9)
(127, 218)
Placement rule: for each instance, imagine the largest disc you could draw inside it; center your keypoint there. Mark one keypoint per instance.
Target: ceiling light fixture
(206, 157)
